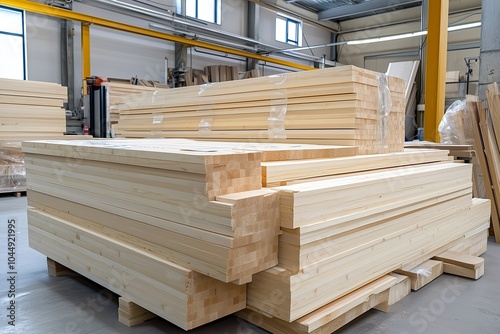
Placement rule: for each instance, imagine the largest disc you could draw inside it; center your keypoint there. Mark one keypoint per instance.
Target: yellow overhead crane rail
(88, 20)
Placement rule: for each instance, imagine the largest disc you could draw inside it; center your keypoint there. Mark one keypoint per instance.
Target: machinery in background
(75, 121)
(95, 108)
(90, 117)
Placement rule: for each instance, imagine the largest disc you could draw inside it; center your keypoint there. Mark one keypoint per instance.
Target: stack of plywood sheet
(338, 106)
(353, 224)
(171, 222)
(31, 110)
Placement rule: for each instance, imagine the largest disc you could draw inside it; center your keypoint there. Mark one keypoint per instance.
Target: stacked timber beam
(175, 220)
(118, 93)
(186, 231)
(28, 110)
(380, 221)
(486, 129)
(31, 110)
(337, 106)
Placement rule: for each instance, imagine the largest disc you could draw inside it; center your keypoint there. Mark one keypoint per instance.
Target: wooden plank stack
(381, 221)
(31, 110)
(486, 129)
(176, 220)
(337, 106)
(118, 93)
(28, 110)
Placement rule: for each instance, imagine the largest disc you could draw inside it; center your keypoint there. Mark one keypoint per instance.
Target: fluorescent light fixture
(465, 26)
(387, 38)
(409, 35)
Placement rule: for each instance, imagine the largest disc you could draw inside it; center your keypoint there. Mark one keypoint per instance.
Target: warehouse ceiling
(342, 10)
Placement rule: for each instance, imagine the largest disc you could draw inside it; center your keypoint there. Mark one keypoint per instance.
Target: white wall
(124, 55)
(43, 45)
(356, 54)
(311, 35)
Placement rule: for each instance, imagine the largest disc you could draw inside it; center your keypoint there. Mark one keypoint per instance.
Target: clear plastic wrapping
(453, 128)
(276, 120)
(277, 114)
(421, 271)
(12, 170)
(384, 109)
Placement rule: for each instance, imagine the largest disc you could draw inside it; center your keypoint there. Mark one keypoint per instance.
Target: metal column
(489, 64)
(253, 31)
(67, 61)
(435, 69)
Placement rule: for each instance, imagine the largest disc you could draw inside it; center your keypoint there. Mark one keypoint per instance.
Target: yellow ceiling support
(39, 8)
(86, 72)
(435, 69)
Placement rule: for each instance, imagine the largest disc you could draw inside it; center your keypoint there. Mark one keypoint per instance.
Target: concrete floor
(75, 305)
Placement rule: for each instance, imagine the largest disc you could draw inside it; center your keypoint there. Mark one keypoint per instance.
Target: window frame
(22, 35)
(217, 14)
(298, 32)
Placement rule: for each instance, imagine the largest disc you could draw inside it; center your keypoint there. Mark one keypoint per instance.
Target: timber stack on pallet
(336, 106)
(183, 225)
(486, 129)
(342, 231)
(175, 221)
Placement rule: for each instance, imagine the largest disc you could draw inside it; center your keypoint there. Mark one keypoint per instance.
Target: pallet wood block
(386, 255)
(397, 292)
(456, 270)
(461, 264)
(131, 314)
(55, 269)
(423, 274)
(330, 317)
(179, 295)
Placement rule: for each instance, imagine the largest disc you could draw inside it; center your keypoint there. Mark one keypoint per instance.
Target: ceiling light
(465, 26)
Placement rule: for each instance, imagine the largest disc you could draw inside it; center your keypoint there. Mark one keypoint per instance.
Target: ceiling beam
(364, 9)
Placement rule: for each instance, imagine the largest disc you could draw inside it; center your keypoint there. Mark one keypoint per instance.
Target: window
(12, 56)
(206, 10)
(288, 30)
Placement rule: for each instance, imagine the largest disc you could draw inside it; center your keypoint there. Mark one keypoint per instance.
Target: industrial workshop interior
(249, 166)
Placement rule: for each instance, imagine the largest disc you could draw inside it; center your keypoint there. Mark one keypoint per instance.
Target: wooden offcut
(461, 264)
(397, 292)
